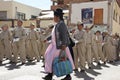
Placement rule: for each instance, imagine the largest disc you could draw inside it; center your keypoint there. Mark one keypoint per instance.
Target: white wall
(77, 7)
(28, 10)
(116, 24)
(9, 6)
(6, 6)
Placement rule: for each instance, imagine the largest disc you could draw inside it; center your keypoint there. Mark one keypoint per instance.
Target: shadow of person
(13, 66)
(83, 75)
(30, 63)
(96, 67)
(105, 65)
(91, 71)
(2, 64)
(117, 63)
(43, 72)
(114, 63)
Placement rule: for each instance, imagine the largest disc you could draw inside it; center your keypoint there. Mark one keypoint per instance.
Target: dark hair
(98, 32)
(59, 13)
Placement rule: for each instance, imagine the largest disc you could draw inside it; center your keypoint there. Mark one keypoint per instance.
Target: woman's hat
(58, 12)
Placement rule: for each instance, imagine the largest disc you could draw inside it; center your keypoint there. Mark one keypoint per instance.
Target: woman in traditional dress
(60, 41)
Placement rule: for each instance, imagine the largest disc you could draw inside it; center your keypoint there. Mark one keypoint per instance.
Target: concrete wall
(28, 10)
(116, 24)
(76, 10)
(7, 6)
(45, 22)
(9, 23)
(10, 7)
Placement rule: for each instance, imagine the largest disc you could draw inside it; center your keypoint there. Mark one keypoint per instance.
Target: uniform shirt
(19, 32)
(88, 37)
(107, 40)
(33, 35)
(42, 36)
(114, 42)
(6, 35)
(79, 36)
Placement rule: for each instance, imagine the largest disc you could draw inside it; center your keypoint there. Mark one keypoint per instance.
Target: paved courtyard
(34, 71)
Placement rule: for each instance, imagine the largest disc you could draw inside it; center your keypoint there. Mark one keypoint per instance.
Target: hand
(63, 47)
(45, 41)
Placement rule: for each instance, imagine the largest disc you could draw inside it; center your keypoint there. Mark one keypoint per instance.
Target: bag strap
(62, 55)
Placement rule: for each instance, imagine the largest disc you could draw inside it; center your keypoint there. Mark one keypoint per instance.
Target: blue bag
(61, 65)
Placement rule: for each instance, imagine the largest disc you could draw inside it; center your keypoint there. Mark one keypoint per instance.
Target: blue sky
(42, 4)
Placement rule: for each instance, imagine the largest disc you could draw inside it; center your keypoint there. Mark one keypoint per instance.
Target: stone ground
(34, 71)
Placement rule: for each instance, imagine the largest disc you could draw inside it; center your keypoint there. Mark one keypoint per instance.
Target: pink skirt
(51, 53)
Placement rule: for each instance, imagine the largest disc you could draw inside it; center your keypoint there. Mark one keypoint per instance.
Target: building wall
(7, 6)
(9, 23)
(12, 7)
(45, 22)
(28, 10)
(65, 2)
(116, 18)
(75, 12)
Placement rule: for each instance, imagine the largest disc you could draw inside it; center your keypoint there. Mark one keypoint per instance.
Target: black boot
(82, 71)
(68, 77)
(0, 62)
(48, 77)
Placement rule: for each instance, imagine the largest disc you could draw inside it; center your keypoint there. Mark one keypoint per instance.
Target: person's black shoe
(0, 62)
(43, 66)
(68, 77)
(48, 77)
(82, 71)
(38, 60)
(104, 63)
(90, 68)
(75, 69)
(30, 60)
(11, 62)
(23, 63)
(99, 63)
(111, 61)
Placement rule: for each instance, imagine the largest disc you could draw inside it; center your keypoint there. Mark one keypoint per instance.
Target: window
(3, 14)
(98, 19)
(33, 17)
(114, 15)
(119, 19)
(21, 15)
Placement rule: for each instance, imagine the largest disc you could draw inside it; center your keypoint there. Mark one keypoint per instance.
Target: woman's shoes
(48, 77)
(68, 77)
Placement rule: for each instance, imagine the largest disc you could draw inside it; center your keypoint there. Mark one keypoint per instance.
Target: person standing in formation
(6, 39)
(107, 48)
(19, 36)
(79, 35)
(32, 43)
(99, 40)
(88, 46)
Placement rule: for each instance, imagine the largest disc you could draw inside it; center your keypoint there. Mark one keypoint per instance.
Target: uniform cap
(32, 24)
(79, 23)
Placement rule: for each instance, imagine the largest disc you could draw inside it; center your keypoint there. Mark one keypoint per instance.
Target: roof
(49, 14)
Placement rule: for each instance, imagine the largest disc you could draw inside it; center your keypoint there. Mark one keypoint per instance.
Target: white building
(10, 9)
(104, 14)
(47, 17)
